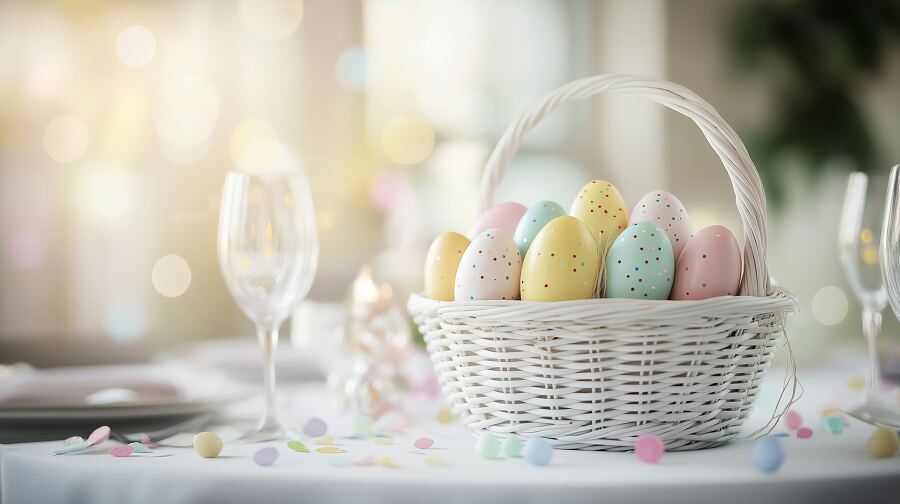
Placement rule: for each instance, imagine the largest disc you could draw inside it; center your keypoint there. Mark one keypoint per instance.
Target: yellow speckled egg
(600, 206)
(562, 263)
(441, 264)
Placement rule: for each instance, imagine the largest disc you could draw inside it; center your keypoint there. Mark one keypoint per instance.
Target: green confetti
(297, 446)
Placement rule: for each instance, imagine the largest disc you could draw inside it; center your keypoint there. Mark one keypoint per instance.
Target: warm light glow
(27, 249)
(268, 156)
(106, 195)
(829, 305)
(135, 46)
(364, 288)
(866, 236)
(407, 139)
(185, 111)
(249, 132)
(325, 220)
(356, 69)
(271, 19)
(870, 255)
(66, 139)
(171, 276)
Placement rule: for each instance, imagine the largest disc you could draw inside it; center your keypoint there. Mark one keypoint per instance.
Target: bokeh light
(185, 111)
(126, 320)
(27, 249)
(829, 305)
(870, 255)
(171, 276)
(271, 19)
(356, 68)
(247, 134)
(135, 46)
(66, 139)
(268, 156)
(106, 195)
(387, 188)
(407, 139)
(325, 220)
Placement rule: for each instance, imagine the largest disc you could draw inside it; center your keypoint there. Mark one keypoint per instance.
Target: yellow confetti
(331, 449)
(323, 440)
(435, 461)
(386, 462)
(829, 411)
(856, 383)
(444, 416)
(383, 441)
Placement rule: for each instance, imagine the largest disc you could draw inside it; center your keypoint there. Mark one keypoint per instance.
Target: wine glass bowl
(267, 250)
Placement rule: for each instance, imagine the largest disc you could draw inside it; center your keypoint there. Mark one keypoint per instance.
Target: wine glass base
(878, 409)
(267, 431)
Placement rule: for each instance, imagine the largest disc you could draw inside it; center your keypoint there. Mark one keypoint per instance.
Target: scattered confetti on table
(435, 461)
(315, 427)
(833, 424)
(856, 383)
(99, 435)
(768, 455)
(297, 446)
(444, 416)
(365, 461)
(323, 440)
(139, 447)
(649, 448)
(208, 444)
(384, 441)
(793, 420)
(538, 451)
(266, 456)
(804, 433)
(331, 449)
(883, 443)
(121, 451)
(423, 443)
(512, 446)
(387, 462)
(487, 446)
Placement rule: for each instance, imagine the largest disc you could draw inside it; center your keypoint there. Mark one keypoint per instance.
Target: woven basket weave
(596, 374)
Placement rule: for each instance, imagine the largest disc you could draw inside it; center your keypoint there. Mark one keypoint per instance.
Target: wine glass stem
(872, 327)
(268, 339)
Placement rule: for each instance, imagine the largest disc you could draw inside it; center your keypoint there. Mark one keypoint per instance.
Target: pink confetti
(423, 443)
(365, 461)
(793, 420)
(804, 432)
(121, 451)
(649, 448)
(99, 435)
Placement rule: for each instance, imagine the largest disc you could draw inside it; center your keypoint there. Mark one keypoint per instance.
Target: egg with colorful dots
(667, 212)
(600, 206)
(640, 263)
(562, 264)
(489, 269)
(441, 265)
(537, 216)
(710, 266)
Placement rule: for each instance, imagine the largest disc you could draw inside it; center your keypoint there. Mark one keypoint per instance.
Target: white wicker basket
(597, 373)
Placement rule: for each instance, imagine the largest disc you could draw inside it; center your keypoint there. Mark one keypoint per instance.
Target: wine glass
(268, 250)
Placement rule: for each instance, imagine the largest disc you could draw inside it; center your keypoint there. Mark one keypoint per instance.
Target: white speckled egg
(489, 268)
(667, 212)
(640, 264)
(710, 266)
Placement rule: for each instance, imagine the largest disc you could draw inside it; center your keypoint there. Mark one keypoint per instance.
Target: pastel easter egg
(601, 207)
(562, 263)
(533, 221)
(667, 212)
(709, 266)
(640, 263)
(441, 264)
(537, 451)
(489, 268)
(883, 443)
(208, 445)
(505, 216)
(768, 455)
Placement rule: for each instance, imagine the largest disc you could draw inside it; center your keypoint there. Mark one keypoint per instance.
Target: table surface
(821, 469)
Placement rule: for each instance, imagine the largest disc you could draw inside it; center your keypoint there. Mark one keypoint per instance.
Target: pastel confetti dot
(444, 416)
(883, 443)
(73, 440)
(423, 443)
(72, 448)
(435, 461)
(266, 456)
(99, 435)
(833, 425)
(139, 447)
(331, 449)
(386, 462)
(487, 446)
(339, 462)
(793, 420)
(804, 433)
(538, 451)
(297, 446)
(323, 440)
(208, 445)
(384, 441)
(856, 383)
(315, 427)
(121, 451)
(365, 461)
(512, 446)
(782, 435)
(768, 455)
(649, 448)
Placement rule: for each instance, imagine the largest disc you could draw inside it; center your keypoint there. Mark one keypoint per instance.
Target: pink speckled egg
(709, 266)
(504, 216)
(489, 269)
(667, 212)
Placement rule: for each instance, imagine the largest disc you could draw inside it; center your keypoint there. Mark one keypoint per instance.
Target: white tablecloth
(821, 469)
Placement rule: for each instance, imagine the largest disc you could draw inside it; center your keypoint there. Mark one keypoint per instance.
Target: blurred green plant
(816, 54)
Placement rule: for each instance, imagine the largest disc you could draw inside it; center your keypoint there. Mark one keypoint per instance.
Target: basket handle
(749, 194)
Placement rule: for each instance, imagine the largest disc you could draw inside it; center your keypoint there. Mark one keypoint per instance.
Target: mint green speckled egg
(535, 218)
(640, 263)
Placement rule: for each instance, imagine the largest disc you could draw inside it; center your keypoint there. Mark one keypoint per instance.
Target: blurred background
(119, 120)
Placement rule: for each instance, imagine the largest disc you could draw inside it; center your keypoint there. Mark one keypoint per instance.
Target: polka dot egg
(562, 263)
(601, 207)
(710, 266)
(667, 212)
(640, 263)
(489, 268)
